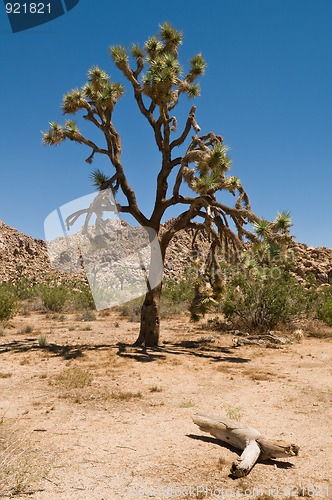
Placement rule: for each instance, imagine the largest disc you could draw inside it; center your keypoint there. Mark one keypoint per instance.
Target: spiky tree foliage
(159, 81)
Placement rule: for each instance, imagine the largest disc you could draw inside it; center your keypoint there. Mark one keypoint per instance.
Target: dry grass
(42, 340)
(74, 378)
(260, 375)
(87, 328)
(24, 361)
(155, 388)
(224, 368)
(221, 463)
(21, 466)
(233, 412)
(126, 395)
(87, 316)
(187, 404)
(26, 329)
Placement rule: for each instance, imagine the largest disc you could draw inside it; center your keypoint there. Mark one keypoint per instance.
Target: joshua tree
(158, 82)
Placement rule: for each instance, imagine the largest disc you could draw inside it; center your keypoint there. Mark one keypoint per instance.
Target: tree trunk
(150, 322)
(245, 438)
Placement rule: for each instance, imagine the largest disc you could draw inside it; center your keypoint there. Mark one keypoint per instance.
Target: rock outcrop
(24, 257)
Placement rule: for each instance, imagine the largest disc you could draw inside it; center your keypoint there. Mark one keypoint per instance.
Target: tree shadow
(199, 348)
(140, 354)
(64, 351)
(203, 349)
(148, 354)
(212, 440)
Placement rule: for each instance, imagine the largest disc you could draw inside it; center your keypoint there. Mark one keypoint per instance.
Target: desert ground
(85, 416)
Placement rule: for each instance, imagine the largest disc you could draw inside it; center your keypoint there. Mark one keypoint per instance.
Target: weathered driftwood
(268, 339)
(248, 439)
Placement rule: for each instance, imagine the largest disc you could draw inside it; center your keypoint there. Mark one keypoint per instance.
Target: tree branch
(191, 123)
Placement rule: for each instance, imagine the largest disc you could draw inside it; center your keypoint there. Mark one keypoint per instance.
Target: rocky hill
(24, 257)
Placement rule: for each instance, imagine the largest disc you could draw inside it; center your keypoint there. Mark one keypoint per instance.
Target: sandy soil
(87, 418)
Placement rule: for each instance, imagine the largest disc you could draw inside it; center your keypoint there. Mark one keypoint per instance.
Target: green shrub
(53, 298)
(8, 302)
(131, 309)
(178, 291)
(87, 315)
(324, 305)
(263, 298)
(42, 341)
(176, 297)
(25, 288)
(81, 298)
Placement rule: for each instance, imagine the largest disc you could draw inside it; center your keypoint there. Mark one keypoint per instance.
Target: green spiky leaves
(170, 35)
(210, 169)
(136, 51)
(219, 160)
(98, 178)
(119, 55)
(98, 79)
(55, 135)
(72, 132)
(205, 184)
(164, 69)
(73, 101)
(283, 221)
(216, 162)
(270, 230)
(162, 81)
(99, 91)
(198, 65)
(193, 91)
(153, 47)
(262, 228)
(232, 184)
(110, 94)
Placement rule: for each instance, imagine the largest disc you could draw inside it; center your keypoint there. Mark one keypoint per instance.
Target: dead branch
(248, 439)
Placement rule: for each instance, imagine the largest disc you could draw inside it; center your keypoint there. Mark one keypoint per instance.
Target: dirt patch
(84, 416)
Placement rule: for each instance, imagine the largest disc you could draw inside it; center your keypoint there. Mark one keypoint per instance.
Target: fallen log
(248, 439)
(268, 339)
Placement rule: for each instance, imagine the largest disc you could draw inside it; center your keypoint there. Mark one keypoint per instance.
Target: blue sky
(267, 91)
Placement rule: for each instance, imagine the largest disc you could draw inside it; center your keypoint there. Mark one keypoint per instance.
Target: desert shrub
(176, 297)
(25, 288)
(53, 298)
(87, 315)
(324, 305)
(22, 466)
(8, 302)
(74, 377)
(81, 298)
(42, 341)
(262, 299)
(178, 291)
(131, 309)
